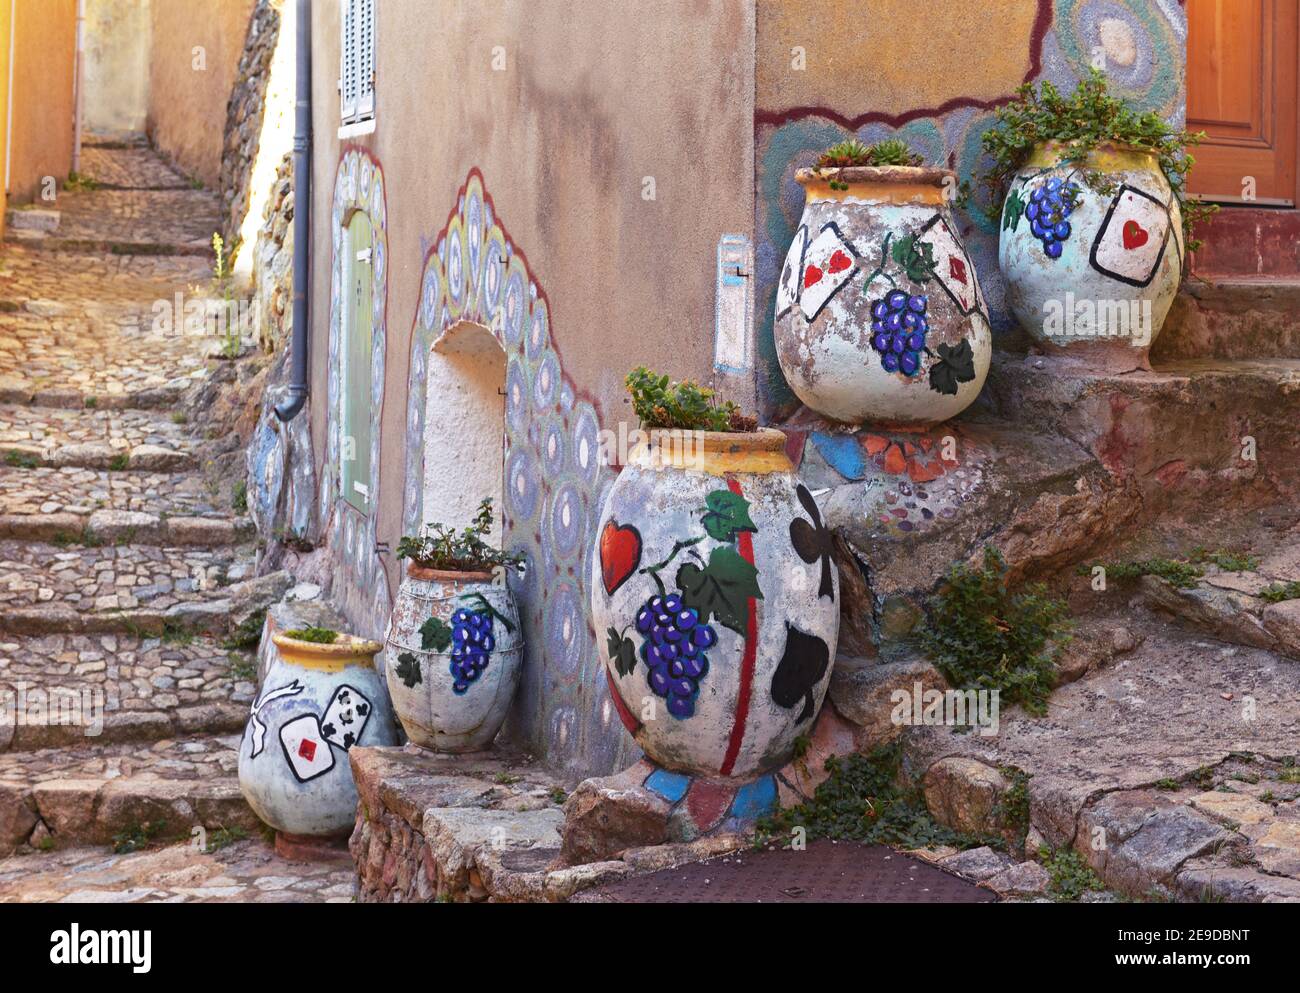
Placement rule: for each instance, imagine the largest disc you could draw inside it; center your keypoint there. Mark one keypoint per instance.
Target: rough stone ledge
(127, 526)
(481, 827)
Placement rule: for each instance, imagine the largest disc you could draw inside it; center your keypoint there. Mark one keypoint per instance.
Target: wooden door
(357, 339)
(1241, 91)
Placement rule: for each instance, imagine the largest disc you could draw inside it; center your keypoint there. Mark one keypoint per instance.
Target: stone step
(112, 577)
(21, 391)
(216, 612)
(1233, 318)
(1188, 436)
(73, 690)
(65, 435)
(41, 240)
(107, 793)
(48, 492)
(102, 527)
(31, 218)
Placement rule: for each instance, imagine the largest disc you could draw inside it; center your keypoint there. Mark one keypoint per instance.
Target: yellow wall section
(45, 42)
(981, 49)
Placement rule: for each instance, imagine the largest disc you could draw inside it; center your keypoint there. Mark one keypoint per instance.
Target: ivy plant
(1089, 117)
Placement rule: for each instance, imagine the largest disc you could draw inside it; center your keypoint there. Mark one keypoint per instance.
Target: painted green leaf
(721, 589)
(408, 670)
(725, 514)
(621, 651)
(917, 258)
(435, 635)
(1011, 214)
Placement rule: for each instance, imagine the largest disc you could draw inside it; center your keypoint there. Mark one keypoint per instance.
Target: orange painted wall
(45, 42)
(6, 30)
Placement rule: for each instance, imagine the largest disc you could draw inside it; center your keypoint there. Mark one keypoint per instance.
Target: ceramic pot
(879, 315)
(716, 602)
(317, 702)
(455, 650)
(1088, 270)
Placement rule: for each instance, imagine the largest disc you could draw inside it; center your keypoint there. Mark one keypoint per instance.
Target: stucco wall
(187, 104)
(116, 65)
(592, 100)
(45, 40)
(933, 79)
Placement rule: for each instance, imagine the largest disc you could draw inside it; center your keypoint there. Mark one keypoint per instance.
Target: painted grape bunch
(673, 645)
(472, 644)
(1049, 210)
(898, 328)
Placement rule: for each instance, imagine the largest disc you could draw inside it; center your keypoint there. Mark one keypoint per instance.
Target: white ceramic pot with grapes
(879, 315)
(454, 646)
(716, 602)
(320, 698)
(1091, 248)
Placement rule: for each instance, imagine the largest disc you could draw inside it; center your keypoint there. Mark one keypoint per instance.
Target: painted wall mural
(361, 584)
(1142, 42)
(553, 482)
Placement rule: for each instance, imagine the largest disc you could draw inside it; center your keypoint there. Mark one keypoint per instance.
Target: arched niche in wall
(464, 426)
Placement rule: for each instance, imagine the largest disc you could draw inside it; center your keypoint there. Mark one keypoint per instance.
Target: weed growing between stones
(1173, 571)
(248, 634)
(239, 497)
(242, 668)
(1277, 592)
(119, 462)
(1227, 561)
(863, 801)
(224, 838)
(176, 634)
(137, 837)
(984, 637)
(1072, 877)
(1013, 808)
(21, 460)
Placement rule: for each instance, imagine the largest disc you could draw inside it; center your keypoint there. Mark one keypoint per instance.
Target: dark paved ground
(827, 872)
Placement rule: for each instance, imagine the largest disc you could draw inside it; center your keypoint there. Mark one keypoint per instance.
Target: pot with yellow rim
(879, 315)
(716, 602)
(317, 702)
(1092, 249)
(455, 649)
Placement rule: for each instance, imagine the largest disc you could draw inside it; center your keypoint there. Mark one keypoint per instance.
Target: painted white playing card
(828, 264)
(952, 265)
(345, 717)
(1132, 238)
(787, 288)
(307, 751)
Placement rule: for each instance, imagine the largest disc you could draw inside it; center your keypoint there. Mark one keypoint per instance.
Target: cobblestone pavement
(118, 553)
(248, 871)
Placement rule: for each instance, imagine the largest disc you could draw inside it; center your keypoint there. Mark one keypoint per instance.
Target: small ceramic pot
(716, 602)
(1089, 271)
(455, 650)
(879, 315)
(317, 702)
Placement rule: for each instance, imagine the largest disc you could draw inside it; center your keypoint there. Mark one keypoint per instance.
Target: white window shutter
(365, 58)
(348, 61)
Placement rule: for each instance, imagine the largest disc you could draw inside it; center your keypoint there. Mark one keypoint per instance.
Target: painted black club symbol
(804, 663)
(813, 541)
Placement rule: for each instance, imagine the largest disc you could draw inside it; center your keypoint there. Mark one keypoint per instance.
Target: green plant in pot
(1089, 195)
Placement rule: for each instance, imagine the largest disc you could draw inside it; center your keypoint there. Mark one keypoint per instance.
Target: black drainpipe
(301, 217)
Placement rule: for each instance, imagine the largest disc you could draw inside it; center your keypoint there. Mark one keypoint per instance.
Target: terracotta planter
(455, 649)
(317, 701)
(1089, 271)
(879, 315)
(716, 603)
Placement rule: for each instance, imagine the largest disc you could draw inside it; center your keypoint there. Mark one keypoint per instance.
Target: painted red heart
(811, 275)
(620, 554)
(839, 261)
(1135, 235)
(957, 269)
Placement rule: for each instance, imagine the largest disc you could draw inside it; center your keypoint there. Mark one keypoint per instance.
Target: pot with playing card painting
(1092, 249)
(879, 315)
(321, 697)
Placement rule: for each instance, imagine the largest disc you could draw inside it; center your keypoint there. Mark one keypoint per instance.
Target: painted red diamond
(957, 268)
(307, 749)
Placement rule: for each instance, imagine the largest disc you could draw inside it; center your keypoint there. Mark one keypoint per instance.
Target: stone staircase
(128, 603)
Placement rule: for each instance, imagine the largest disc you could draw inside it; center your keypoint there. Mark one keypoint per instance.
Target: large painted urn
(455, 650)
(317, 702)
(879, 316)
(1092, 267)
(716, 602)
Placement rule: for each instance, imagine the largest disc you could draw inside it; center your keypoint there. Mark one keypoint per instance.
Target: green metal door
(357, 336)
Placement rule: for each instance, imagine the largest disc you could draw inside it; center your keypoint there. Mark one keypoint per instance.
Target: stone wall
(244, 114)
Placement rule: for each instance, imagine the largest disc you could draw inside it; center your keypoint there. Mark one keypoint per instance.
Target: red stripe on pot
(745, 544)
(624, 715)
